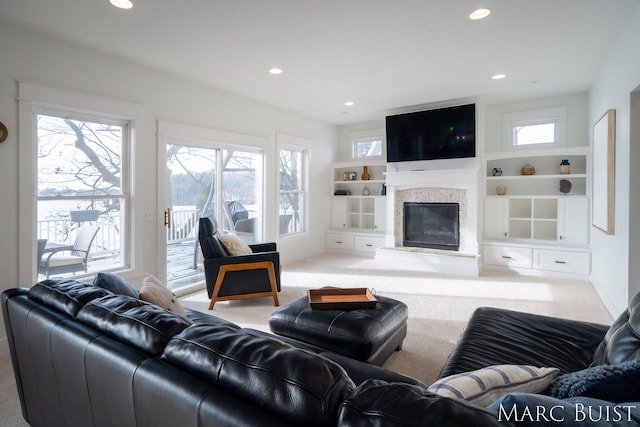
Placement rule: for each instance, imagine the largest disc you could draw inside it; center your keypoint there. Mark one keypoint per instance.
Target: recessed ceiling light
(275, 70)
(479, 13)
(122, 4)
(498, 76)
(349, 103)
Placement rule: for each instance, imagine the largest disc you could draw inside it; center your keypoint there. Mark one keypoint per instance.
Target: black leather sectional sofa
(84, 356)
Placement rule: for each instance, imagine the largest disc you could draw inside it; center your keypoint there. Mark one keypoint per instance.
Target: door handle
(167, 217)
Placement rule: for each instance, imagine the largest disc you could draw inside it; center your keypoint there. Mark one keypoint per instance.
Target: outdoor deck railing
(108, 240)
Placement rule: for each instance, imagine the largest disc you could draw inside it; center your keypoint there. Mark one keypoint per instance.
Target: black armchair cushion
(209, 243)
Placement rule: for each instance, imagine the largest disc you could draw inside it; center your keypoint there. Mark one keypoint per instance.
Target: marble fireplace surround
(435, 186)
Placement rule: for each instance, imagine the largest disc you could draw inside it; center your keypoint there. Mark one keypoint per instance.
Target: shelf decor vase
(365, 191)
(365, 173)
(565, 167)
(501, 190)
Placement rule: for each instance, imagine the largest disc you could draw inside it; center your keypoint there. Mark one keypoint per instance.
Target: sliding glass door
(205, 180)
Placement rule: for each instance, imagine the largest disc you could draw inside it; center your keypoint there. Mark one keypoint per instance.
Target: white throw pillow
(156, 292)
(234, 245)
(484, 386)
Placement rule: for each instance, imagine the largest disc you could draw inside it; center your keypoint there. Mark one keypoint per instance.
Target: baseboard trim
(4, 347)
(608, 302)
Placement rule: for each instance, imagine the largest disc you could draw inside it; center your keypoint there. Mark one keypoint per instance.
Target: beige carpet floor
(439, 307)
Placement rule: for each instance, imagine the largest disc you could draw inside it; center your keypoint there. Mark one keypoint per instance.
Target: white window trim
(284, 141)
(365, 135)
(32, 98)
(556, 115)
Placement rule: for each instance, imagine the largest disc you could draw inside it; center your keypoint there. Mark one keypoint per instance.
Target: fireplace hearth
(431, 225)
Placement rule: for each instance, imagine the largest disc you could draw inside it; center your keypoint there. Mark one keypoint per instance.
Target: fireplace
(431, 225)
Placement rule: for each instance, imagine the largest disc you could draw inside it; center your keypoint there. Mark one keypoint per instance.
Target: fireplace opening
(431, 225)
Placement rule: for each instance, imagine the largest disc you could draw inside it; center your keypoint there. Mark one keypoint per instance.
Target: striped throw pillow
(485, 385)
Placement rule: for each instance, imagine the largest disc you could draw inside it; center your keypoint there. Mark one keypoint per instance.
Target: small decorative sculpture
(501, 190)
(565, 186)
(496, 172)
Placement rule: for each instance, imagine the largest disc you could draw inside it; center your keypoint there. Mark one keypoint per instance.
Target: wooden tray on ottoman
(341, 299)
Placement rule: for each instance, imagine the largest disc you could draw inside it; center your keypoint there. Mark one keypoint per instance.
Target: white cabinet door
(573, 220)
(496, 218)
(339, 212)
(380, 214)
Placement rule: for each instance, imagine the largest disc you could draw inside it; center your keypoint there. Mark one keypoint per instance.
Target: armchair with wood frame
(234, 277)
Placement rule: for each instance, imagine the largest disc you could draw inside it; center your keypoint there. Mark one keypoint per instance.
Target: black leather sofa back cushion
(378, 403)
(139, 324)
(622, 341)
(64, 295)
(297, 385)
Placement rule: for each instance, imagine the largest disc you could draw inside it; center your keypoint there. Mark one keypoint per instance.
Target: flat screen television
(444, 133)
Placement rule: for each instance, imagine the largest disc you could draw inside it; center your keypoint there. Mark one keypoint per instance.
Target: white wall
(577, 123)
(616, 263)
(345, 135)
(31, 57)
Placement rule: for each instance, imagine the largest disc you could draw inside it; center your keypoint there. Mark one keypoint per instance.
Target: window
(80, 183)
(365, 148)
(74, 157)
(544, 133)
(292, 197)
(367, 144)
(543, 128)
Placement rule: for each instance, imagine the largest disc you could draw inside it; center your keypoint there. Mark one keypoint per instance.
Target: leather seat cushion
(137, 323)
(65, 295)
(298, 385)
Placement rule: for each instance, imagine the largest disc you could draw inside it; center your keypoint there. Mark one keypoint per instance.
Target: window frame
(302, 145)
(36, 99)
(553, 115)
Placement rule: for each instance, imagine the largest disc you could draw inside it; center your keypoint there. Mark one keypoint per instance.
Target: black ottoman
(369, 335)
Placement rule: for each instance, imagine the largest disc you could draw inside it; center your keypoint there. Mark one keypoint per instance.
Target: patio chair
(234, 277)
(57, 262)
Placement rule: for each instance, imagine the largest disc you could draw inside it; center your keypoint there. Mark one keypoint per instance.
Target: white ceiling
(381, 54)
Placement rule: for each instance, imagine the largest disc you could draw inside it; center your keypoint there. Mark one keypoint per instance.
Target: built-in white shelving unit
(358, 216)
(535, 225)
